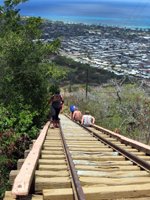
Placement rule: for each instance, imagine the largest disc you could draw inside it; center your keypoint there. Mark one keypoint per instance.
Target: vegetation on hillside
(81, 73)
(26, 80)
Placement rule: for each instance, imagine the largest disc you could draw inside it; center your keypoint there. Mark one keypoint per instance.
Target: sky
(125, 9)
(83, 7)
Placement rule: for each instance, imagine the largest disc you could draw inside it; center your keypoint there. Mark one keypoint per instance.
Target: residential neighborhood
(119, 50)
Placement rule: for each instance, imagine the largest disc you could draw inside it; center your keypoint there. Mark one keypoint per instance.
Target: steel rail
(79, 194)
(135, 159)
(138, 145)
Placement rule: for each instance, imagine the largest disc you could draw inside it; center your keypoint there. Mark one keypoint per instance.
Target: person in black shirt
(56, 103)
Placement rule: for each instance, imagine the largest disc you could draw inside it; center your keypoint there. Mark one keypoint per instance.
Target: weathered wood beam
(101, 193)
(24, 179)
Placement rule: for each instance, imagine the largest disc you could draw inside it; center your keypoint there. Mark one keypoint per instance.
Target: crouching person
(77, 115)
(87, 119)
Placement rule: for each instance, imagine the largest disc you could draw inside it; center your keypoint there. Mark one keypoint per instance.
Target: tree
(22, 58)
(24, 82)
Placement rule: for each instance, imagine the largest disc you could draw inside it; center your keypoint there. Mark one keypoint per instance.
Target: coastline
(133, 24)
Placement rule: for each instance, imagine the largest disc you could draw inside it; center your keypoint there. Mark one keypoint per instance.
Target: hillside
(79, 73)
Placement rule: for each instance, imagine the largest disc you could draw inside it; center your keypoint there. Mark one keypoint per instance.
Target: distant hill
(80, 73)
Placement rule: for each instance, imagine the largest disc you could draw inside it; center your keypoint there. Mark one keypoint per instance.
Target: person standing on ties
(56, 103)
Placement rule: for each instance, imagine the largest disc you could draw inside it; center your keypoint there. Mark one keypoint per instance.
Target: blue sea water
(107, 21)
(125, 13)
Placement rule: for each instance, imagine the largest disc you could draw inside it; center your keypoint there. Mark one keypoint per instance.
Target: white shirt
(87, 120)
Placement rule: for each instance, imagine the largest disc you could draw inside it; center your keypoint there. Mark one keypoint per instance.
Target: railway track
(80, 163)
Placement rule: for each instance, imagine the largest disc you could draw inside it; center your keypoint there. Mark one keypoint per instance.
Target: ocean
(131, 14)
